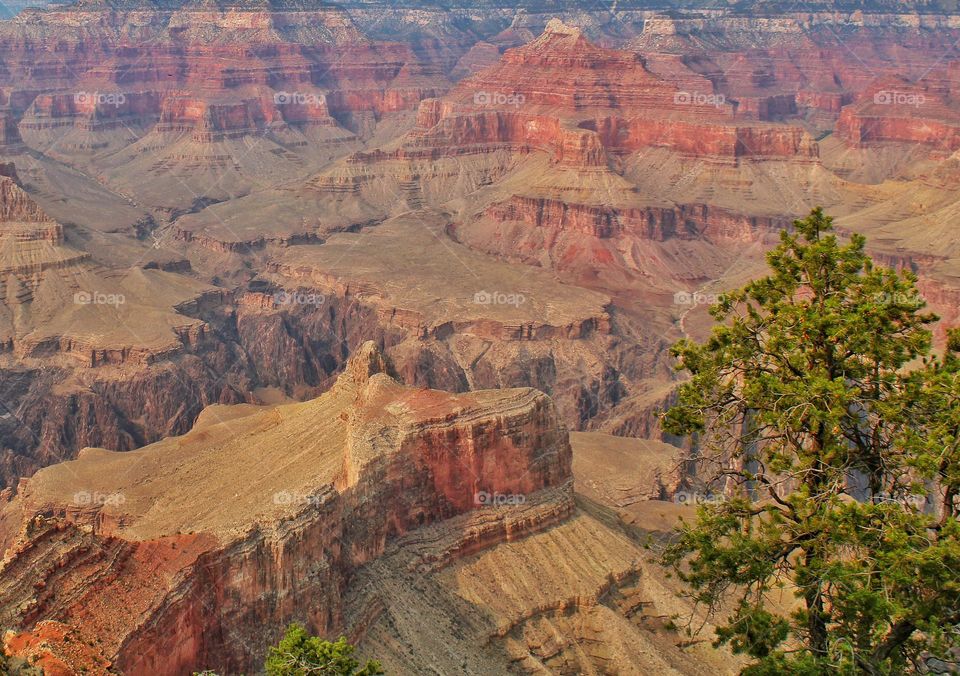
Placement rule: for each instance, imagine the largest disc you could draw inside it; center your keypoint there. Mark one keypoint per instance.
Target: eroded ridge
(176, 556)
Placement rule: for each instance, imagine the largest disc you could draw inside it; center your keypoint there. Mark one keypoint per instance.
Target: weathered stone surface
(177, 556)
(906, 113)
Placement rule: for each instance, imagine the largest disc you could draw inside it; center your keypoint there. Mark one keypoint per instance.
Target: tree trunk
(816, 618)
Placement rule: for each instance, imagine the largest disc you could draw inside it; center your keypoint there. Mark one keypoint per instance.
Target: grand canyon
(360, 314)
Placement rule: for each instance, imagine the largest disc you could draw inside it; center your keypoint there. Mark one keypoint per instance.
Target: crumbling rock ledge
(176, 557)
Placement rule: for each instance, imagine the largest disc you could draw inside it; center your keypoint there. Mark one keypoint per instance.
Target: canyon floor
(285, 288)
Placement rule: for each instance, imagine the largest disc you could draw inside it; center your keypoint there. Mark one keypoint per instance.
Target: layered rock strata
(162, 562)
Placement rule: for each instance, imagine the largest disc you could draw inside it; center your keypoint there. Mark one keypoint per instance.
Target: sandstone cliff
(435, 530)
(178, 556)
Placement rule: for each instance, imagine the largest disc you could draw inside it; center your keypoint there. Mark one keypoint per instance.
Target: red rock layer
(704, 139)
(903, 112)
(265, 70)
(176, 602)
(561, 69)
(16, 205)
(774, 67)
(581, 102)
(692, 221)
(445, 129)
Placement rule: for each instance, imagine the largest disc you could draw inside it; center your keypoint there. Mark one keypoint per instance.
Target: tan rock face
(17, 207)
(268, 190)
(903, 112)
(605, 222)
(238, 87)
(177, 556)
(610, 179)
(648, 108)
(581, 595)
(60, 309)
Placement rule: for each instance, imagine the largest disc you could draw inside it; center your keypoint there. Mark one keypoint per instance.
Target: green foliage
(300, 654)
(815, 405)
(15, 666)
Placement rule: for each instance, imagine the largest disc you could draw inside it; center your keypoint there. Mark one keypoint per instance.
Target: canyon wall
(207, 589)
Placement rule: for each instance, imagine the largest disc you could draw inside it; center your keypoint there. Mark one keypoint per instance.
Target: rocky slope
(90, 342)
(269, 188)
(499, 199)
(900, 111)
(159, 562)
(332, 480)
(62, 313)
(152, 98)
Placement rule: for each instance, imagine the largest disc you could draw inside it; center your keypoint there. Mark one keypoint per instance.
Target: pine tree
(300, 654)
(815, 410)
